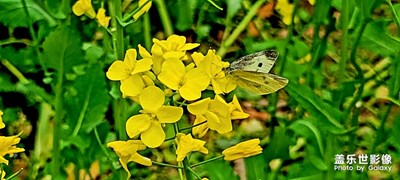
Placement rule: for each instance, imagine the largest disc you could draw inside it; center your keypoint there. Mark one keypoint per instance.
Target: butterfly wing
(256, 62)
(258, 82)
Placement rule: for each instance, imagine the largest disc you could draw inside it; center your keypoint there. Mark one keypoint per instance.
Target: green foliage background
(342, 99)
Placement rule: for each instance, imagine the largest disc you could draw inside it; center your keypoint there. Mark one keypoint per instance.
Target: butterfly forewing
(256, 62)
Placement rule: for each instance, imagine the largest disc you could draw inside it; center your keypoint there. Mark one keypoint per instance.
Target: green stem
(186, 168)
(396, 17)
(165, 20)
(166, 165)
(15, 71)
(116, 28)
(147, 31)
(127, 17)
(194, 173)
(345, 36)
(242, 26)
(207, 161)
(59, 107)
(118, 46)
(360, 75)
(215, 5)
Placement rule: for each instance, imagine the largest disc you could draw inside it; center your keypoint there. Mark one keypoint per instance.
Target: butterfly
(252, 72)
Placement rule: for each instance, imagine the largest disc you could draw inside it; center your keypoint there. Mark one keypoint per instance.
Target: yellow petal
(244, 149)
(154, 136)
(142, 65)
(199, 107)
(143, 9)
(143, 52)
(151, 99)
(132, 86)
(197, 58)
(213, 121)
(172, 73)
(130, 59)
(202, 129)
(169, 114)
(136, 157)
(195, 82)
(84, 7)
(189, 46)
(117, 71)
(137, 124)
(101, 17)
(174, 54)
(2, 125)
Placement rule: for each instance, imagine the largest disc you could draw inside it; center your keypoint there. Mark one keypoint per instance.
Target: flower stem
(242, 26)
(118, 46)
(15, 71)
(165, 20)
(167, 165)
(186, 168)
(207, 161)
(147, 31)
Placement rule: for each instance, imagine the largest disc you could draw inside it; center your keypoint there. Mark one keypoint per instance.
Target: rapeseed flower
(286, 10)
(216, 112)
(214, 67)
(189, 83)
(146, 6)
(101, 17)
(7, 146)
(84, 7)
(236, 110)
(154, 114)
(2, 125)
(242, 150)
(175, 47)
(187, 144)
(130, 72)
(127, 152)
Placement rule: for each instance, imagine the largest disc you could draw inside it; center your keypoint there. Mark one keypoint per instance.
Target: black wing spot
(260, 64)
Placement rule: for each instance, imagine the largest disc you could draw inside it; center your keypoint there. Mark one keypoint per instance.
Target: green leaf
(62, 49)
(87, 101)
(219, 169)
(394, 85)
(279, 146)
(22, 59)
(377, 39)
(367, 7)
(325, 113)
(12, 13)
(185, 14)
(233, 7)
(256, 167)
(310, 131)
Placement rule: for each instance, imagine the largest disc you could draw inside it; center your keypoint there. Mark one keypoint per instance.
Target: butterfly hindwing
(258, 82)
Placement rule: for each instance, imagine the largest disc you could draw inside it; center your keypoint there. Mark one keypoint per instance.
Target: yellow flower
(236, 110)
(242, 150)
(156, 56)
(286, 10)
(143, 9)
(187, 144)
(202, 129)
(129, 72)
(189, 84)
(2, 125)
(154, 113)
(101, 17)
(127, 152)
(7, 146)
(216, 112)
(175, 47)
(214, 67)
(2, 174)
(84, 7)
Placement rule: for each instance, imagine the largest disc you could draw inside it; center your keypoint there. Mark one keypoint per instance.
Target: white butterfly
(252, 72)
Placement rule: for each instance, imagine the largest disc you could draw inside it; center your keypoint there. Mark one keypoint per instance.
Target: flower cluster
(85, 7)
(7, 146)
(163, 82)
